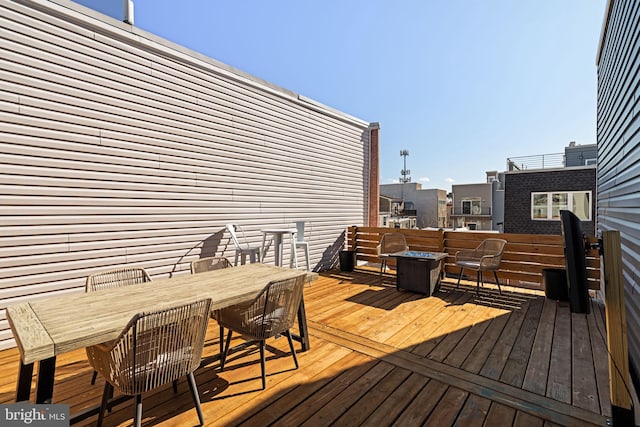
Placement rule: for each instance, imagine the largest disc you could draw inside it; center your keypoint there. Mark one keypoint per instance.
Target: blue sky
(461, 84)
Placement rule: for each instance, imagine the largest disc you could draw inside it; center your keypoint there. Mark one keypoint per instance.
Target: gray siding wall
(618, 122)
(580, 154)
(481, 191)
(118, 147)
(517, 198)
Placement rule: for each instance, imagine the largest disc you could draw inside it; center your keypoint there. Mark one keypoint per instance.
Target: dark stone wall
(517, 198)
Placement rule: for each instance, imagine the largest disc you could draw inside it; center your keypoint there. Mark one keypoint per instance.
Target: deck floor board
(385, 357)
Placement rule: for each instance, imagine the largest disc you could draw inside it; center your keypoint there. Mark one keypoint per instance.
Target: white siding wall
(117, 147)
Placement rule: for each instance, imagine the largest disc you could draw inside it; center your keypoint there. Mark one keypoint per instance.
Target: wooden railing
(522, 263)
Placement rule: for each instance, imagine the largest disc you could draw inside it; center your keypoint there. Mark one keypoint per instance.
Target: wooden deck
(385, 357)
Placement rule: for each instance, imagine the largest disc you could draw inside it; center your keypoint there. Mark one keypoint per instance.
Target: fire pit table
(418, 271)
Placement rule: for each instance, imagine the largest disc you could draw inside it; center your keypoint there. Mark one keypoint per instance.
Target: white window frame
(472, 201)
(550, 206)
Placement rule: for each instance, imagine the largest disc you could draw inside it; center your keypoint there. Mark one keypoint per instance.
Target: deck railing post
(621, 405)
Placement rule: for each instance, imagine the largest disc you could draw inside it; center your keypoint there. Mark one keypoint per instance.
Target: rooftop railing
(541, 161)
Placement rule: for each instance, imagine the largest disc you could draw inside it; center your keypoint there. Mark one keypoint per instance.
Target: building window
(539, 206)
(547, 206)
(471, 207)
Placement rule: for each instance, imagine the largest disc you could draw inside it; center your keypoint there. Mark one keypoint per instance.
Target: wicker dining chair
(271, 313)
(486, 257)
(114, 278)
(154, 349)
(390, 243)
(209, 264)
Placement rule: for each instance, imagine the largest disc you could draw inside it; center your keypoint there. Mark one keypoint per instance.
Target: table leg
(294, 254)
(277, 239)
(46, 374)
(23, 388)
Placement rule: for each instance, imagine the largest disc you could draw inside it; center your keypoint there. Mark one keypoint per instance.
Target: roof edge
(605, 23)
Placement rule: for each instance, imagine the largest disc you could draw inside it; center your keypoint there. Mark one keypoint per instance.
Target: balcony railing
(541, 161)
(525, 256)
(474, 212)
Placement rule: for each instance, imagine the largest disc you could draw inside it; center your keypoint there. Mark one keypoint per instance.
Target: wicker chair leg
(138, 420)
(196, 398)
(175, 386)
(226, 350)
(263, 365)
(459, 277)
(478, 279)
(110, 397)
(108, 391)
(497, 281)
(94, 377)
(293, 350)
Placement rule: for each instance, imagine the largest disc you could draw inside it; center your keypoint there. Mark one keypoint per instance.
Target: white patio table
(278, 234)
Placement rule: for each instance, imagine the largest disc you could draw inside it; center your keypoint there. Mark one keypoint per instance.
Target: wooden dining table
(44, 328)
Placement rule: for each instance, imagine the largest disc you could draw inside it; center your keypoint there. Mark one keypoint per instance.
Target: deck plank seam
(519, 399)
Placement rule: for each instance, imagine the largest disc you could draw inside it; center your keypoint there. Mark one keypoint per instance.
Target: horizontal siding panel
(83, 178)
(250, 158)
(613, 62)
(39, 71)
(97, 249)
(268, 122)
(244, 180)
(61, 195)
(620, 63)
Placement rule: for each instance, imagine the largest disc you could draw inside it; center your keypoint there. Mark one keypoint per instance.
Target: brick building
(534, 198)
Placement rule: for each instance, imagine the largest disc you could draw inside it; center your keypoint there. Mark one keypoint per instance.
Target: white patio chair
(242, 246)
(301, 243)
